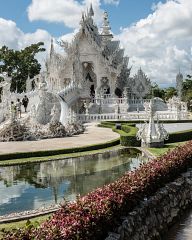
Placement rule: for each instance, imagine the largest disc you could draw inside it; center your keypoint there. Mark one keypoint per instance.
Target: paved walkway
(92, 135)
(174, 127)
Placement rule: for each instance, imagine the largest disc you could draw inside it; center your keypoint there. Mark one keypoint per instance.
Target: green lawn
(166, 148)
(22, 224)
(54, 157)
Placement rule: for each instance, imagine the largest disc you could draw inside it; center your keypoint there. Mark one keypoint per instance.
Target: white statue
(179, 84)
(151, 134)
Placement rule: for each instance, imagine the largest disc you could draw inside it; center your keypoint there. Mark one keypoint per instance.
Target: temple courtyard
(92, 135)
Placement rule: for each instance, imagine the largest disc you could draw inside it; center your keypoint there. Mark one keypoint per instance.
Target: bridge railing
(129, 116)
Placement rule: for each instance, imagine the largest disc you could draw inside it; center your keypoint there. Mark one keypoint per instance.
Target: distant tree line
(166, 93)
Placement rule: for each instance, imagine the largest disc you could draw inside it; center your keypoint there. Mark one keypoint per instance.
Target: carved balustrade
(129, 116)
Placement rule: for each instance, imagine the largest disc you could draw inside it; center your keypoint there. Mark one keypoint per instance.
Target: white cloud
(65, 11)
(115, 2)
(13, 37)
(11, 192)
(162, 42)
(9, 33)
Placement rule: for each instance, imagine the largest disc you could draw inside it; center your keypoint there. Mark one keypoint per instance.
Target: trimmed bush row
(128, 137)
(92, 216)
(180, 136)
(131, 140)
(127, 133)
(142, 121)
(11, 156)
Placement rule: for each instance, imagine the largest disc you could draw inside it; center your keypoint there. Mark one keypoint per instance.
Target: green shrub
(128, 136)
(94, 215)
(128, 132)
(180, 136)
(45, 153)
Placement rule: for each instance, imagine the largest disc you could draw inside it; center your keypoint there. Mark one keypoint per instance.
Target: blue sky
(156, 35)
(124, 14)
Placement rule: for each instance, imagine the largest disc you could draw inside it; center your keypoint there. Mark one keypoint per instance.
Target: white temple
(90, 82)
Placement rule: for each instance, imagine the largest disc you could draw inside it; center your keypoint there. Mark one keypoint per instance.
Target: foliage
(187, 91)
(23, 223)
(127, 133)
(157, 92)
(128, 136)
(180, 136)
(165, 93)
(29, 154)
(165, 148)
(170, 92)
(92, 216)
(19, 64)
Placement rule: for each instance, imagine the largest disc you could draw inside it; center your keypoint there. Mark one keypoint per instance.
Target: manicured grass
(55, 157)
(166, 148)
(127, 133)
(22, 224)
(47, 153)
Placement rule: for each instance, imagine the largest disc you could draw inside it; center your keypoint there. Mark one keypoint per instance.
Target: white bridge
(130, 116)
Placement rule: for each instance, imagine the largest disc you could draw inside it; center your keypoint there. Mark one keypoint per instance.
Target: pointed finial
(91, 12)
(52, 47)
(106, 27)
(82, 18)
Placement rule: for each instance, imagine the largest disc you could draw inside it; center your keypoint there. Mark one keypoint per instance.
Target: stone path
(174, 127)
(92, 135)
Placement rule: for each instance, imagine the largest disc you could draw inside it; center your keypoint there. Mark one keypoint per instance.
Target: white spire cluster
(151, 134)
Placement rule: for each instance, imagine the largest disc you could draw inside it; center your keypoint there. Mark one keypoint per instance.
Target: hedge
(45, 153)
(128, 138)
(143, 121)
(180, 136)
(129, 131)
(92, 216)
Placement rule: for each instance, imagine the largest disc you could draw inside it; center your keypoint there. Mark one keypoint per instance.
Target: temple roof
(111, 47)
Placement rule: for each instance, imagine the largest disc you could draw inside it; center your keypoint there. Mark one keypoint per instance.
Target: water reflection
(26, 187)
(182, 230)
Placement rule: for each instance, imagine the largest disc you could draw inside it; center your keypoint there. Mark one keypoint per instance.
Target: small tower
(52, 48)
(179, 84)
(106, 29)
(151, 134)
(91, 12)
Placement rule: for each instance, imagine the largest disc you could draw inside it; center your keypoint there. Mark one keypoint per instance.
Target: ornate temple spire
(91, 12)
(179, 84)
(151, 134)
(106, 29)
(52, 48)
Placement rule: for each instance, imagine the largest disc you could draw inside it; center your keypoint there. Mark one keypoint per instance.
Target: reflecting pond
(182, 230)
(31, 186)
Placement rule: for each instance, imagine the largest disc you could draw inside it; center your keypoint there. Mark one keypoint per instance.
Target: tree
(156, 91)
(20, 63)
(187, 91)
(170, 92)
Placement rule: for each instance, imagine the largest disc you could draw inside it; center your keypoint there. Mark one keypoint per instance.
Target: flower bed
(92, 216)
